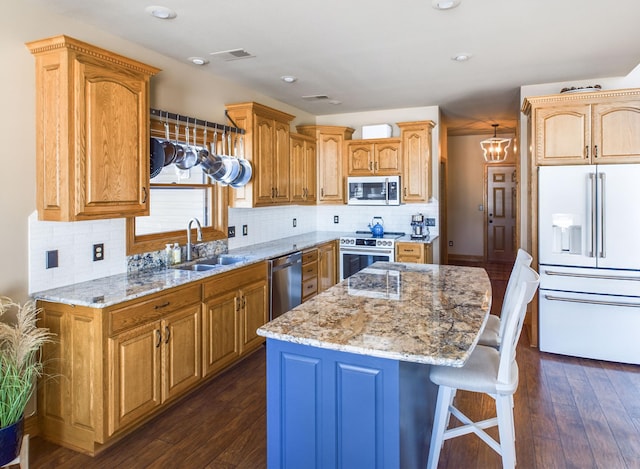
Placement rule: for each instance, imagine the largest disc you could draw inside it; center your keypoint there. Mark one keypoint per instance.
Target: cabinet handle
(159, 337)
(144, 195)
(370, 165)
(321, 192)
(167, 332)
(376, 166)
(163, 305)
(586, 150)
(405, 191)
(595, 151)
(236, 303)
(244, 301)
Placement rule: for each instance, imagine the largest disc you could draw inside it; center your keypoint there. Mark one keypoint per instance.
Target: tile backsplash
(74, 241)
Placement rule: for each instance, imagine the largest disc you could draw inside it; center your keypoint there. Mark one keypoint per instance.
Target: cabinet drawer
(309, 270)
(309, 256)
(230, 280)
(309, 287)
(410, 249)
(142, 312)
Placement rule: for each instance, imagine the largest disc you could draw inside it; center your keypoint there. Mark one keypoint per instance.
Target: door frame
(516, 170)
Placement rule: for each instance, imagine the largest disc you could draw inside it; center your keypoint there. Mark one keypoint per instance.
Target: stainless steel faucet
(199, 236)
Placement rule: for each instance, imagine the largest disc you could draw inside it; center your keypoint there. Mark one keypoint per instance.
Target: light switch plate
(52, 259)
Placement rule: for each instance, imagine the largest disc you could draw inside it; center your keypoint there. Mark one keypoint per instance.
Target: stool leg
(505, 429)
(440, 422)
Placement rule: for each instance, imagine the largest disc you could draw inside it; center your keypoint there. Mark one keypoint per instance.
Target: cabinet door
(327, 266)
(310, 162)
(298, 176)
(562, 134)
(360, 159)
(264, 161)
(281, 163)
(416, 161)
(181, 351)
(112, 158)
(134, 359)
(255, 313)
(220, 323)
(330, 175)
(616, 132)
(387, 160)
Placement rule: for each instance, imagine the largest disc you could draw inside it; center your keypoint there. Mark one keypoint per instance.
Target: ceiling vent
(233, 54)
(315, 97)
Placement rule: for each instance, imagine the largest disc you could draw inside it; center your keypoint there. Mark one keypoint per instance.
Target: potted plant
(20, 366)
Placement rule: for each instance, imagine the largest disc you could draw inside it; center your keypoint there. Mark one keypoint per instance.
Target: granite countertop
(408, 239)
(422, 313)
(108, 291)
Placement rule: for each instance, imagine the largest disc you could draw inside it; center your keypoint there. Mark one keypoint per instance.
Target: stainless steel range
(362, 249)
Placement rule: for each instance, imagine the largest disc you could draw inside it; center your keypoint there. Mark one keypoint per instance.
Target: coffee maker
(419, 229)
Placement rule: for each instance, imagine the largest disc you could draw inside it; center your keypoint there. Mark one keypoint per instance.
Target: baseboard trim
(452, 258)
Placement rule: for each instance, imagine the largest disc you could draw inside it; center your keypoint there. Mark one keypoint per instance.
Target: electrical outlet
(231, 232)
(431, 222)
(98, 252)
(450, 243)
(245, 230)
(52, 259)
(295, 222)
(336, 219)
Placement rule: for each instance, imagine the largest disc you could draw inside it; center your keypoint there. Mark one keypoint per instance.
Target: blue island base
(329, 409)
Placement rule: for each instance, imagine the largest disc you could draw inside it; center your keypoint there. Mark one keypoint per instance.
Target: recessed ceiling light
(445, 4)
(198, 60)
(163, 13)
(462, 57)
(288, 78)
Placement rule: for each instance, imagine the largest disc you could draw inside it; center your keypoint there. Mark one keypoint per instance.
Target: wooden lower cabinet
(153, 364)
(327, 265)
(110, 370)
(235, 305)
(309, 274)
(418, 253)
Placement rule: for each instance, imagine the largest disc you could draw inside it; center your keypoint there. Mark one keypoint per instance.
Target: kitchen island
(348, 371)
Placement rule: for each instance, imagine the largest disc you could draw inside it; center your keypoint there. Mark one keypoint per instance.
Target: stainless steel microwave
(373, 190)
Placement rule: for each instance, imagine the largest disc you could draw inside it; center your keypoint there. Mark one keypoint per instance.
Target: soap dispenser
(177, 254)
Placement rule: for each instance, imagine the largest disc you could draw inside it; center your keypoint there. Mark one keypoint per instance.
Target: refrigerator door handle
(592, 302)
(601, 224)
(592, 213)
(599, 277)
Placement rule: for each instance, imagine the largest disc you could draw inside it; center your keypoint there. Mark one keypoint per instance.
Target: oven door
(354, 259)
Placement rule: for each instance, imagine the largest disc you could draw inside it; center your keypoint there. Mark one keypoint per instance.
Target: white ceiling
(381, 54)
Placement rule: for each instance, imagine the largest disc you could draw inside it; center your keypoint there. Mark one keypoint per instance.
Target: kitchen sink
(212, 263)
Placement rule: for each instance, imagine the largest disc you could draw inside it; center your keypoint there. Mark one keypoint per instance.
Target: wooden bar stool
(488, 370)
(494, 329)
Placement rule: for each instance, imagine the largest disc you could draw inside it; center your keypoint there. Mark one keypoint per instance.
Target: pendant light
(495, 148)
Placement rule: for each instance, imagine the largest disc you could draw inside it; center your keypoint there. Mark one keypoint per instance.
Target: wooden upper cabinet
(374, 157)
(266, 145)
(92, 132)
(585, 128)
(331, 171)
(303, 169)
(416, 160)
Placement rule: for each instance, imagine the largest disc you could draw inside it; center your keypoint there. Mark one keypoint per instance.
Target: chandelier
(495, 148)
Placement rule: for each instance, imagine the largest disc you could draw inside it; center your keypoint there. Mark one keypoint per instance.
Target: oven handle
(373, 252)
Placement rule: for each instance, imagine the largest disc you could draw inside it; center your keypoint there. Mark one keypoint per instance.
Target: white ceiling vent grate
(315, 97)
(233, 54)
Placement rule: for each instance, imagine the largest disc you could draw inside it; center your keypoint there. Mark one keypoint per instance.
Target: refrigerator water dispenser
(567, 234)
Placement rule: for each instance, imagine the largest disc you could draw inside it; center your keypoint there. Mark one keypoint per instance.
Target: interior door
(501, 213)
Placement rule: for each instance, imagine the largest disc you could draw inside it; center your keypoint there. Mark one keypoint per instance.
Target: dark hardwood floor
(569, 413)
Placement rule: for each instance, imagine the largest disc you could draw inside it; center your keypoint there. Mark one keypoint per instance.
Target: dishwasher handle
(286, 261)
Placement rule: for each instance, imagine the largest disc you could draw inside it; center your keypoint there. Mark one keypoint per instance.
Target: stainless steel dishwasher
(285, 278)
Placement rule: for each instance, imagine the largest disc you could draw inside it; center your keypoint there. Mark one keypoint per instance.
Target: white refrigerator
(589, 261)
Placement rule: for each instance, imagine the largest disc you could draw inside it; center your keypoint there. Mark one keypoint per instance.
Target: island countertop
(421, 313)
